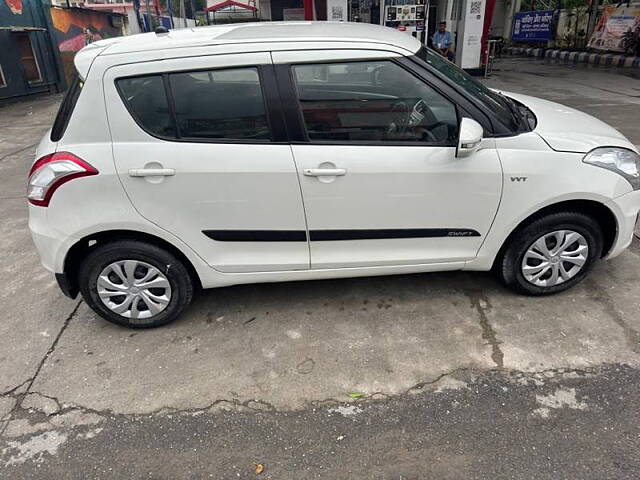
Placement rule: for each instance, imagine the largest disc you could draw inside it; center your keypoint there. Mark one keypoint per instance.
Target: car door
(201, 152)
(377, 164)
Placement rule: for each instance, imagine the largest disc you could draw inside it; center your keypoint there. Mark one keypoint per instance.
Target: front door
(200, 156)
(380, 179)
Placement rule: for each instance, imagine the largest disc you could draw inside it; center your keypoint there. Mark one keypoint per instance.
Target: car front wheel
(552, 253)
(135, 284)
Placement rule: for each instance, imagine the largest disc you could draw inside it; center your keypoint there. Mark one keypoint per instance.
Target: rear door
(201, 152)
(376, 157)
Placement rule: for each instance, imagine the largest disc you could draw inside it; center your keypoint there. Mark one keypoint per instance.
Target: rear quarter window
(146, 101)
(66, 109)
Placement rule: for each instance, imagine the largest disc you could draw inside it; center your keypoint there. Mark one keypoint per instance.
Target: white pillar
(470, 27)
(513, 7)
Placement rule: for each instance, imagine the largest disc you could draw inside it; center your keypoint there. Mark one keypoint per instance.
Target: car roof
(247, 33)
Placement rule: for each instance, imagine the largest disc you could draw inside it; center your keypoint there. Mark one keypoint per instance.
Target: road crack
(72, 416)
(11, 391)
(421, 385)
(600, 295)
(44, 359)
(15, 152)
(481, 303)
(52, 347)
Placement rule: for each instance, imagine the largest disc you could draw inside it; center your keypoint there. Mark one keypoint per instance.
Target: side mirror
(470, 137)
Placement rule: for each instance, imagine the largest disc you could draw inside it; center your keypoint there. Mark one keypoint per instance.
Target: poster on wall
(533, 26)
(74, 28)
(614, 22)
(337, 10)
(15, 6)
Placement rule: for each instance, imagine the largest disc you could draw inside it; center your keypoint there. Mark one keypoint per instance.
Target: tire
(160, 291)
(522, 253)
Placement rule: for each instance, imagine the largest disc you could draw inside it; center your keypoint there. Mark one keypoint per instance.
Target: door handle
(151, 172)
(325, 172)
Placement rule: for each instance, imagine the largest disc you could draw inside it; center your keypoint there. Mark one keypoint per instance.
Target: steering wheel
(428, 135)
(410, 118)
(399, 124)
(414, 119)
(422, 119)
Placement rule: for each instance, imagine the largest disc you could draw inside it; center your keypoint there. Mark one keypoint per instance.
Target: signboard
(337, 10)
(293, 14)
(613, 23)
(469, 41)
(533, 26)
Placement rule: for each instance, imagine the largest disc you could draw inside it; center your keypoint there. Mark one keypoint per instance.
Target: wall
(277, 7)
(502, 22)
(73, 28)
(264, 9)
(133, 25)
(571, 30)
(26, 22)
(498, 20)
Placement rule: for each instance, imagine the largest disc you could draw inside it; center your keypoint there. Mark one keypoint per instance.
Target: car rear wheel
(551, 254)
(135, 284)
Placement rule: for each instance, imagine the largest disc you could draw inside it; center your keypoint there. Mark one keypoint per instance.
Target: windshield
(495, 102)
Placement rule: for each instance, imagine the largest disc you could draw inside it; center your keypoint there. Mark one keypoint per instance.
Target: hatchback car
(274, 152)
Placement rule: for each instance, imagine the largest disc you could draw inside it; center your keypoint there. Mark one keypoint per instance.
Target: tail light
(51, 171)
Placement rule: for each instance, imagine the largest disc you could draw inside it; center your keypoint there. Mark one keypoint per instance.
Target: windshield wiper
(515, 110)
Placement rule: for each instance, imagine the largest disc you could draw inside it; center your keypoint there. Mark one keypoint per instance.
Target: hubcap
(555, 258)
(134, 289)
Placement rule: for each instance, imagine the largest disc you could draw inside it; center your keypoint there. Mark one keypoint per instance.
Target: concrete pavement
(462, 378)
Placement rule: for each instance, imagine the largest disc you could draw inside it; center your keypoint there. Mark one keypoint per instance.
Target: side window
(147, 102)
(220, 104)
(372, 101)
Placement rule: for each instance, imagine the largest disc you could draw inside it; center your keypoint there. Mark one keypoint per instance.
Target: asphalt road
(460, 378)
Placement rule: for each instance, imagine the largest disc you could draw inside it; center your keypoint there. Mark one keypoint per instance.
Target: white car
(273, 152)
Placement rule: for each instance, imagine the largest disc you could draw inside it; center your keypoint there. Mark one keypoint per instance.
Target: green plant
(631, 41)
(527, 5)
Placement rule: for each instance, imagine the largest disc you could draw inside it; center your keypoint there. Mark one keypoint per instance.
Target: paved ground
(462, 378)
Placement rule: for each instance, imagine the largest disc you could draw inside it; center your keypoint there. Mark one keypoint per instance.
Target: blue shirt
(442, 40)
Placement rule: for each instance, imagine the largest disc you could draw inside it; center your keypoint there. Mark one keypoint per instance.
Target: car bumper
(626, 209)
(51, 248)
(48, 246)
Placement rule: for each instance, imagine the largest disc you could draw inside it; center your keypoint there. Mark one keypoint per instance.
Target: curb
(524, 52)
(567, 56)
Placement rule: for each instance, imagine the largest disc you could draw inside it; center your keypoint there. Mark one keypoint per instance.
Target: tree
(528, 5)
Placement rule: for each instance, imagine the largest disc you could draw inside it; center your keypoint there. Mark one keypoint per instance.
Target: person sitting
(442, 42)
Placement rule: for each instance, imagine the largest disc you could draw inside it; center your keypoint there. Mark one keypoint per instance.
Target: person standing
(442, 42)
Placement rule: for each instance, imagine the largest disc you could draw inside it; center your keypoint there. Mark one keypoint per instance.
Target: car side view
(272, 152)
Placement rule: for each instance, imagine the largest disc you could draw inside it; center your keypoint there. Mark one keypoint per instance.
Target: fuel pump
(408, 16)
